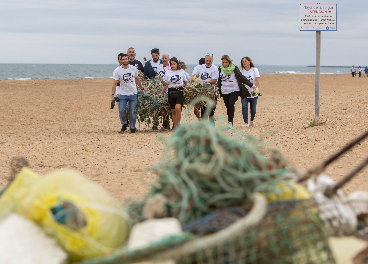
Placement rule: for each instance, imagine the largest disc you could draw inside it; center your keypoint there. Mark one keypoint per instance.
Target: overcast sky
(95, 31)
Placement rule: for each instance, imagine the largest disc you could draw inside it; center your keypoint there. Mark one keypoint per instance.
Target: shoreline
(97, 78)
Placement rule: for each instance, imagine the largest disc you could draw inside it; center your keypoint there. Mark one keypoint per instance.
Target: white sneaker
(252, 123)
(244, 125)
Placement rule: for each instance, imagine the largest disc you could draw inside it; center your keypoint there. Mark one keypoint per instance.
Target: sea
(13, 71)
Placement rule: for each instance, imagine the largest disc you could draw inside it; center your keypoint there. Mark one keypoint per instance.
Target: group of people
(231, 81)
(354, 71)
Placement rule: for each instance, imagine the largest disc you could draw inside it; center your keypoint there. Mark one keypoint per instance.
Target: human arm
(213, 81)
(165, 84)
(256, 84)
(138, 81)
(113, 90)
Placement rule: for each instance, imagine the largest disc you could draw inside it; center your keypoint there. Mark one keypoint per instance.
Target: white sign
(318, 17)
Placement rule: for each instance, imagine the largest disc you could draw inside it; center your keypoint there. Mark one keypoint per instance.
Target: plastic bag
(104, 228)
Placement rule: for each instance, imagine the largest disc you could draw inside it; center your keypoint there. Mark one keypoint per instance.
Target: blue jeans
(253, 108)
(123, 100)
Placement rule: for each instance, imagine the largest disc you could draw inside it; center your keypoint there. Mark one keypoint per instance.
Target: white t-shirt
(206, 74)
(126, 77)
(187, 76)
(114, 72)
(229, 83)
(195, 69)
(352, 69)
(175, 78)
(161, 70)
(157, 66)
(251, 75)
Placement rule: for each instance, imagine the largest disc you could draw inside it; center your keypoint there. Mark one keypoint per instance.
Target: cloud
(95, 31)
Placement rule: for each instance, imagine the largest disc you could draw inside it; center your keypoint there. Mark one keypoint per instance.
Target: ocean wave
(89, 77)
(19, 79)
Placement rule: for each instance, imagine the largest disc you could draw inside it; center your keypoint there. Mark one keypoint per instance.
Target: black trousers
(230, 100)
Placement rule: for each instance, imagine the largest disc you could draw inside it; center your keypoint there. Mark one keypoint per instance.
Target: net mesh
(291, 232)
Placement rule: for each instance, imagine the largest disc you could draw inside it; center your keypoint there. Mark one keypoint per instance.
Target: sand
(60, 124)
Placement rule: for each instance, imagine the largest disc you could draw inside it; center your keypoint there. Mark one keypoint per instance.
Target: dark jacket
(240, 78)
(149, 72)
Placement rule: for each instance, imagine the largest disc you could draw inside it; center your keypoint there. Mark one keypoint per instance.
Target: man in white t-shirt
(208, 73)
(152, 66)
(151, 69)
(120, 61)
(163, 68)
(127, 76)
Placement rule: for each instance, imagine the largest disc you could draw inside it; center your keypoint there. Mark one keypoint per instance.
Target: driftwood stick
(321, 167)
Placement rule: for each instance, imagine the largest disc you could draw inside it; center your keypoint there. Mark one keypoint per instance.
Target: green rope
(203, 169)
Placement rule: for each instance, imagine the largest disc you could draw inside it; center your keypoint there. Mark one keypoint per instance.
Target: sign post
(318, 17)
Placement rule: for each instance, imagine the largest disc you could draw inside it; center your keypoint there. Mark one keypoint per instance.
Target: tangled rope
(153, 106)
(203, 169)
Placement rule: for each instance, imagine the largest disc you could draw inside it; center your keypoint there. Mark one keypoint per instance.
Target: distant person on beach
(127, 76)
(353, 71)
(133, 61)
(197, 109)
(144, 61)
(360, 71)
(175, 79)
(230, 85)
(366, 71)
(252, 74)
(208, 73)
(153, 65)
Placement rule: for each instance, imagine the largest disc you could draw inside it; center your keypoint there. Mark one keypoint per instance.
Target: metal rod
(348, 177)
(318, 71)
(318, 169)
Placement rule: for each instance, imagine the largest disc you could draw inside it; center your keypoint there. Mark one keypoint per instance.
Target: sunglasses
(209, 54)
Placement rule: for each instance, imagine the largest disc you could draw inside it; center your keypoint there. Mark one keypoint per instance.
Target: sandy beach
(60, 124)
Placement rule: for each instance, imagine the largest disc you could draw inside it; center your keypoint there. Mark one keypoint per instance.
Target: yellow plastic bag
(105, 229)
(287, 192)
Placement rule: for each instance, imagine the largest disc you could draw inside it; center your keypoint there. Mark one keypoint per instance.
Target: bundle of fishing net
(203, 170)
(152, 106)
(196, 88)
(206, 179)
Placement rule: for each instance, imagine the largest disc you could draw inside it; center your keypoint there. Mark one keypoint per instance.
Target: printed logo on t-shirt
(175, 79)
(127, 77)
(249, 77)
(162, 73)
(205, 76)
(224, 77)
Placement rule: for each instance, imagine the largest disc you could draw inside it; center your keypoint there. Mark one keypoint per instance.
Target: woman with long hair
(230, 85)
(174, 79)
(252, 74)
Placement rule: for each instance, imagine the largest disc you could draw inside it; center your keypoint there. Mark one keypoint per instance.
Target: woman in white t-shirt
(252, 74)
(230, 84)
(174, 79)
